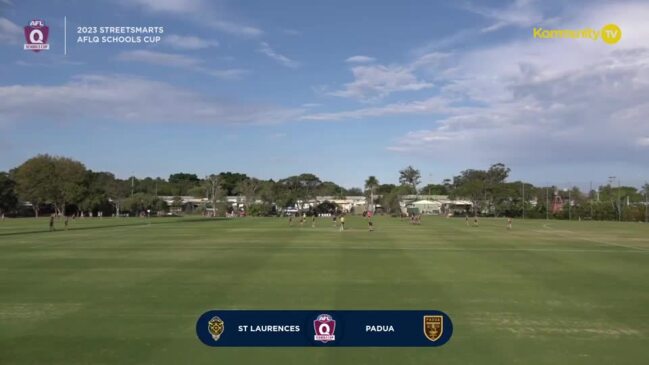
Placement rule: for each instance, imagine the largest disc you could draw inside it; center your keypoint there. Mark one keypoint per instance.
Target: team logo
(36, 34)
(324, 326)
(216, 327)
(433, 327)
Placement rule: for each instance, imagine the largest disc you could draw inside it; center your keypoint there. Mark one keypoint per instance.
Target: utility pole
(646, 203)
(591, 200)
(619, 202)
(547, 204)
(610, 186)
(569, 204)
(523, 200)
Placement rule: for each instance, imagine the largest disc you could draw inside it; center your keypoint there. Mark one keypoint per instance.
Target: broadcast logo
(36, 34)
(433, 327)
(324, 326)
(216, 327)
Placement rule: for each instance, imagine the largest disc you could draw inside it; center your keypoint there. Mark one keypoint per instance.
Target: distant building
(434, 204)
(426, 207)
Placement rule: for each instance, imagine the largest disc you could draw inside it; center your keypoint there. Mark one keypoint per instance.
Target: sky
(341, 89)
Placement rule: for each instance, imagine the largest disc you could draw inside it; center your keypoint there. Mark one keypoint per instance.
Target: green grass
(121, 291)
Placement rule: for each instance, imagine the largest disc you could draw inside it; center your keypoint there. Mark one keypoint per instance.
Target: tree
(215, 190)
(68, 183)
(34, 181)
(198, 192)
(177, 202)
(354, 192)
(249, 189)
(495, 190)
(371, 184)
(326, 207)
(435, 189)
(182, 182)
(410, 176)
(142, 202)
(299, 187)
(96, 196)
(8, 197)
(386, 188)
(390, 202)
(328, 188)
(471, 184)
(230, 180)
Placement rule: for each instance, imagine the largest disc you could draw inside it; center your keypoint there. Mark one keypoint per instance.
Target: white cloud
(374, 82)
(189, 42)
(198, 9)
(533, 101)
(236, 28)
(159, 58)
(229, 74)
(360, 59)
(180, 61)
(9, 32)
(433, 105)
(521, 13)
(291, 32)
(265, 49)
(643, 141)
(127, 98)
(277, 135)
(171, 6)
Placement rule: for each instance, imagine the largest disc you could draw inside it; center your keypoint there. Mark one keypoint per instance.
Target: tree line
(53, 184)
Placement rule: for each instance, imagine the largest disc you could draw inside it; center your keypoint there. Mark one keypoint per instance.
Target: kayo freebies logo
(36, 35)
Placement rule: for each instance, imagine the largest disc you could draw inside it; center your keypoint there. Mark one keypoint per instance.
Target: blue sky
(342, 89)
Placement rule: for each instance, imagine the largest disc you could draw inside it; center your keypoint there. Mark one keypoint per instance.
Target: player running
(509, 223)
(342, 223)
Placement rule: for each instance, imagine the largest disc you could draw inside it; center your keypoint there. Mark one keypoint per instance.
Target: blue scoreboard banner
(390, 328)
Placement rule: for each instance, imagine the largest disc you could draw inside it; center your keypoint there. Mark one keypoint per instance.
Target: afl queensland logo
(36, 34)
(324, 327)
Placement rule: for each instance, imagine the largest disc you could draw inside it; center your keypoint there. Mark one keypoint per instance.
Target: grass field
(123, 291)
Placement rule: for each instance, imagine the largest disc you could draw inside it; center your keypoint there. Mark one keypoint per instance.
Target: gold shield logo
(433, 327)
(216, 327)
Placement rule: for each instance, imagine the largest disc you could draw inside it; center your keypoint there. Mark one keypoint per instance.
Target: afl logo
(324, 327)
(36, 34)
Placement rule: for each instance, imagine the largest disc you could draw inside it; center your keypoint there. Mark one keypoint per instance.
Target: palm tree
(370, 185)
